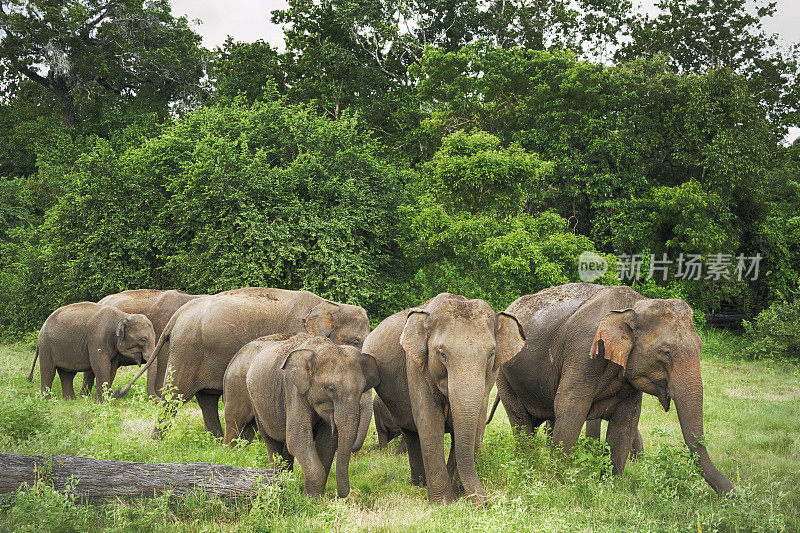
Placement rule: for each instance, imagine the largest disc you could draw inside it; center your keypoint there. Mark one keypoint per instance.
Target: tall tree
(98, 49)
(700, 35)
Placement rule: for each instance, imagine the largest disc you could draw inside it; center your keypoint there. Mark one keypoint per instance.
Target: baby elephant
(86, 336)
(303, 393)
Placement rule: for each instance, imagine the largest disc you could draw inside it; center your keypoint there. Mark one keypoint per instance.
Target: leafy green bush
(469, 230)
(21, 418)
(42, 508)
(775, 332)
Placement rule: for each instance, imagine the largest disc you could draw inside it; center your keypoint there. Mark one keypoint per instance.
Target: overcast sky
(248, 20)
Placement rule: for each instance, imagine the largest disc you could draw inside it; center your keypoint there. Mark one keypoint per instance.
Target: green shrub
(775, 332)
(20, 419)
(40, 507)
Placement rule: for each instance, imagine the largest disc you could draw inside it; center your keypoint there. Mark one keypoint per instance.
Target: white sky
(249, 20)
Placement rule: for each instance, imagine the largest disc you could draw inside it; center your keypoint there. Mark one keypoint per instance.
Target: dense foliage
(394, 150)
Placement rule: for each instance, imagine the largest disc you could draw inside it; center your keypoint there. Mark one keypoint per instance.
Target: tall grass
(752, 418)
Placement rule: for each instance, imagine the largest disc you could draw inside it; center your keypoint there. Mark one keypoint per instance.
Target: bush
(20, 419)
(775, 332)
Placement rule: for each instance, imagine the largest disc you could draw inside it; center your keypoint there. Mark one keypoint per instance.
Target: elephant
(158, 306)
(591, 353)
(207, 332)
(386, 427)
(303, 392)
(86, 336)
(437, 365)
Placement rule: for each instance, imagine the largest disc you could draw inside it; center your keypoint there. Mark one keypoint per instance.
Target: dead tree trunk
(95, 479)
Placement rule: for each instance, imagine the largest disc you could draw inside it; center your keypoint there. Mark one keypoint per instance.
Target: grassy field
(752, 417)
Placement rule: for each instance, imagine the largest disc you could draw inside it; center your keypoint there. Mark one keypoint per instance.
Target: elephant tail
(33, 366)
(494, 408)
(119, 393)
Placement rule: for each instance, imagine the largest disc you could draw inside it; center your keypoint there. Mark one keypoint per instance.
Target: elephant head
(342, 323)
(459, 345)
(135, 338)
(658, 348)
(331, 379)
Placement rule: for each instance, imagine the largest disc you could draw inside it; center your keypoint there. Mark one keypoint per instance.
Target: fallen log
(96, 479)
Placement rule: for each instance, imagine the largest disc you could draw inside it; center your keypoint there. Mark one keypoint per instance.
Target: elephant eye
(143, 340)
(329, 390)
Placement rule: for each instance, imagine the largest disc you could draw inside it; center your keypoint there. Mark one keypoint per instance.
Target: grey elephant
(86, 336)
(158, 306)
(207, 332)
(591, 353)
(304, 394)
(385, 426)
(437, 364)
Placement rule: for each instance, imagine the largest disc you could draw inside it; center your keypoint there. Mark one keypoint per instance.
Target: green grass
(752, 418)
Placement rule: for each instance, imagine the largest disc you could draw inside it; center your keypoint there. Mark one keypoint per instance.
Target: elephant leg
(67, 392)
(401, 448)
(326, 443)
(622, 430)
(101, 366)
(47, 372)
(276, 450)
(518, 416)
(638, 446)
(249, 431)
(452, 468)
(431, 438)
(209, 405)
(593, 429)
(415, 458)
(383, 439)
(570, 416)
(88, 383)
(239, 420)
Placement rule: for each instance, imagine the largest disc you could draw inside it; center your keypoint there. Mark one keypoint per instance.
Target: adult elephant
(207, 332)
(591, 353)
(158, 306)
(437, 364)
(86, 336)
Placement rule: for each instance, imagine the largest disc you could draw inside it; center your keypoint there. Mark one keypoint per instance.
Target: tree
(703, 35)
(92, 51)
(243, 68)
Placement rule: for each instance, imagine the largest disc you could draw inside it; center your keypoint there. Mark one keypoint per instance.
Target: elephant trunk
(466, 397)
(686, 390)
(147, 352)
(365, 420)
(346, 416)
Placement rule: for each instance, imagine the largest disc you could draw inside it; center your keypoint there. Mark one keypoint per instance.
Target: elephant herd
(300, 370)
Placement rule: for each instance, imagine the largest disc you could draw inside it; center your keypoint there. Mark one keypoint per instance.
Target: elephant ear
(414, 338)
(614, 337)
(370, 368)
(299, 363)
(319, 321)
(121, 325)
(509, 336)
